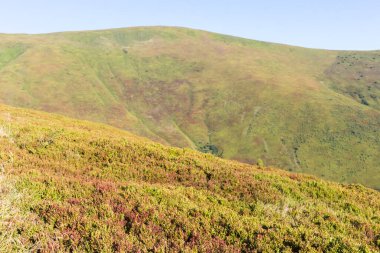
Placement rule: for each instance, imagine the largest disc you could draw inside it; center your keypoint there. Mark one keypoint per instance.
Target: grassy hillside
(304, 110)
(69, 185)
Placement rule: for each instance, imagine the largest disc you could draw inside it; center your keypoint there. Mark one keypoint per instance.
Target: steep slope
(81, 186)
(304, 110)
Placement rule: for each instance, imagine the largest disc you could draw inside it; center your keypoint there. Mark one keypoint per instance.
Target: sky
(328, 24)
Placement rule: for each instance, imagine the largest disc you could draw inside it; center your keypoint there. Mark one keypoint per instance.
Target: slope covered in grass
(304, 110)
(81, 186)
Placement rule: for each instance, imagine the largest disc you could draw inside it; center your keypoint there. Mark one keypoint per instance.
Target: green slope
(304, 110)
(68, 185)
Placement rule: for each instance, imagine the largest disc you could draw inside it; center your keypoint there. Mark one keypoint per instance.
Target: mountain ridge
(186, 28)
(306, 110)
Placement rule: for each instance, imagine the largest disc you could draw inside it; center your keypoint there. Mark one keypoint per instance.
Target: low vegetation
(304, 110)
(80, 186)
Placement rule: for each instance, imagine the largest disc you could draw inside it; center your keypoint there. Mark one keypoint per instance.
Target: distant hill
(305, 110)
(75, 186)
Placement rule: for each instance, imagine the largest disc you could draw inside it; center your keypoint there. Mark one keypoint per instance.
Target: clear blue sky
(331, 24)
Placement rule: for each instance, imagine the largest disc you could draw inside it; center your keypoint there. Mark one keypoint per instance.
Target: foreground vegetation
(303, 110)
(69, 185)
